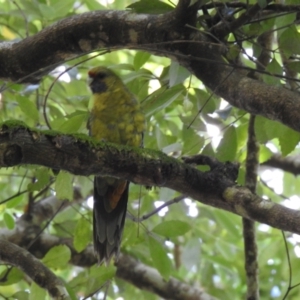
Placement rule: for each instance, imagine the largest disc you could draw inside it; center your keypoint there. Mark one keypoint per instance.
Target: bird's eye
(101, 75)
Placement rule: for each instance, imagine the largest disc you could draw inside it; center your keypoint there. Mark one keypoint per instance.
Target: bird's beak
(89, 80)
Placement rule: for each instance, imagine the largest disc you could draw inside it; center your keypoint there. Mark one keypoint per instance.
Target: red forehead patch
(91, 74)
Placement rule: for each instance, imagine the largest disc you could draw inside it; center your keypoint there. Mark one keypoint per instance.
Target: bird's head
(102, 80)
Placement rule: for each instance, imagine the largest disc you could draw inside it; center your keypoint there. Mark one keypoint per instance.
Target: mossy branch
(81, 155)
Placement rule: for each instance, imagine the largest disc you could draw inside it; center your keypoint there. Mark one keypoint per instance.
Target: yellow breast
(116, 117)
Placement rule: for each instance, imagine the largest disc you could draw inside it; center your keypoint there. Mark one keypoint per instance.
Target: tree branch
(273, 7)
(289, 164)
(250, 247)
(149, 279)
(48, 207)
(165, 35)
(41, 275)
(82, 156)
(221, 29)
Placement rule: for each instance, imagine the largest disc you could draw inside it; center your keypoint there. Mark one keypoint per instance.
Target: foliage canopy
(184, 239)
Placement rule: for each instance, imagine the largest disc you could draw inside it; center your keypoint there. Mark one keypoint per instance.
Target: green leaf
(162, 139)
(64, 186)
(47, 11)
(21, 295)
(172, 228)
(175, 147)
(226, 250)
(161, 98)
(71, 292)
(140, 59)
(138, 74)
(150, 7)
(9, 221)
(192, 142)
(227, 148)
(187, 104)
(36, 292)
(191, 253)
(32, 10)
(57, 257)
(266, 130)
(294, 66)
(272, 129)
(274, 68)
(73, 124)
(264, 154)
(288, 140)
(289, 41)
(192, 123)
(208, 150)
(160, 258)
(94, 5)
(228, 222)
(82, 235)
(234, 52)
(242, 135)
(62, 8)
(98, 277)
(262, 3)
(42, 179)
(205, 102)
(15, 201)
(283, 21)
(177, 74)
(14, 276)
(28, 108)
(260, 133)
(268, 249)
(219, 261)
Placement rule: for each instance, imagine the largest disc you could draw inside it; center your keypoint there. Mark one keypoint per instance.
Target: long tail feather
(108, 224)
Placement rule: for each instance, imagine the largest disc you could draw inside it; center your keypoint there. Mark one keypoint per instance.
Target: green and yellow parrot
(115, 117)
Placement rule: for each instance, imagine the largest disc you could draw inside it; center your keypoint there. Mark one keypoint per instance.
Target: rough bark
(289, 164)
(28, 232)
(149, 279)
(80, 156)
(41, 275)
(166, 35)
(249, 233)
